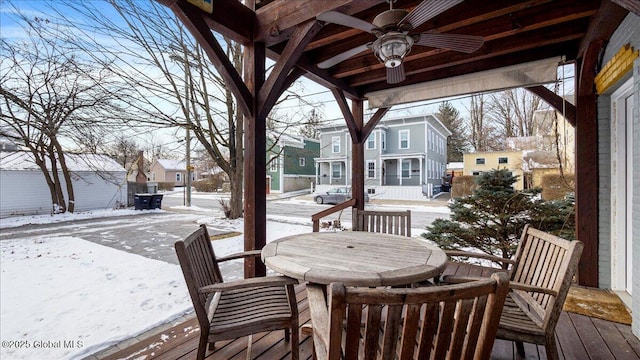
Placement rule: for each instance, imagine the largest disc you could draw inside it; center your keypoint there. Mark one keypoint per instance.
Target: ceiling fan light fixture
(392, 47)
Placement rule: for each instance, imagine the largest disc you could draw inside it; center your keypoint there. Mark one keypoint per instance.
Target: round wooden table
(354, 258)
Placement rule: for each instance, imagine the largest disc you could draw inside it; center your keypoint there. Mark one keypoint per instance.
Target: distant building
(99, 182)
(291, 163)
(405, 158)
(479, 162)
(170, 171)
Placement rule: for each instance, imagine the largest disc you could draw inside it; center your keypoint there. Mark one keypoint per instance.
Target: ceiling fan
(393, 39)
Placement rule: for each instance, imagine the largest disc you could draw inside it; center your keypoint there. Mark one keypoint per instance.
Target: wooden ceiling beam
(528, 36)
(373, 121)
(275, 21)
(561, 105)
(230, 18)
(631, 5)
(273, 87)
(476, 66)
(354, 129)
(604, 23)
(492, 50)
(191, 17)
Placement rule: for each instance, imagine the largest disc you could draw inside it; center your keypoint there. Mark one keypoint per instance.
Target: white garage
(99, 182)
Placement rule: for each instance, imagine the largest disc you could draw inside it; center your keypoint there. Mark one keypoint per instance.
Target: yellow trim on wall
(616, 68)
(206, 5)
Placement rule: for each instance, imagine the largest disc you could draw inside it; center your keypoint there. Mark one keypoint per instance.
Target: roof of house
(170, 164)
(22, 160)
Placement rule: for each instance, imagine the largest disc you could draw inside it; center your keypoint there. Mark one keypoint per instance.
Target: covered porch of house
(514, 33)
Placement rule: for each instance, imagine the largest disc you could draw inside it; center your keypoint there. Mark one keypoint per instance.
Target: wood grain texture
(354, 258)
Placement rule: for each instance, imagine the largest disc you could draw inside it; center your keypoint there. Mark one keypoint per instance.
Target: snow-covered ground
(62, 297)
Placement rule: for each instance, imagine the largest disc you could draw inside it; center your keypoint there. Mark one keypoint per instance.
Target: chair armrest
(249, 283)
(531, 288)
(319, 319)
(479, 256)
(453, 279)
(241, 255)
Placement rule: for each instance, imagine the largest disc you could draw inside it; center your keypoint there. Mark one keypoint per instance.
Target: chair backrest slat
(445, 322)
(547, 261)
(388, 222)
(199, 267)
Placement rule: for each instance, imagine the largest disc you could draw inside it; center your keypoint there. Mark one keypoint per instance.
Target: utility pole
(189, 167)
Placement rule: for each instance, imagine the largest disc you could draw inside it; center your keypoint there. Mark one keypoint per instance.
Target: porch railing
(315, 218)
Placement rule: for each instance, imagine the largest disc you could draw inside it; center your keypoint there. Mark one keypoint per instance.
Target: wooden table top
(354, 258)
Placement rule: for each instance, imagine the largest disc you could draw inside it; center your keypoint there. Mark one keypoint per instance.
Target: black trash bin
(156, 201)
(142, 201)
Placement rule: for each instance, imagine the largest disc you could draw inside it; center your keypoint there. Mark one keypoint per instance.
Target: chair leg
(295, 343)
(551, 348)
(520, 348)
(202, 346)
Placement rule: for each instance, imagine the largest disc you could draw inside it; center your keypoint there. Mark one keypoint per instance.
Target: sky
(63, 297)
(320, 96)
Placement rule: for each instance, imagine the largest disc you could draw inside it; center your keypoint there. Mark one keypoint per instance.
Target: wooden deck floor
(579, 337)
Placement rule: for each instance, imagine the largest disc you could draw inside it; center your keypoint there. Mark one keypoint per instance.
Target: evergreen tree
(456, 144)
(492, 219)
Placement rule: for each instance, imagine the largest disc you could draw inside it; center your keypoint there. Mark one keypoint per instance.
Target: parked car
(336, 196)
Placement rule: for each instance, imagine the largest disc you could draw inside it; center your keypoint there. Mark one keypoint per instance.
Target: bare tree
(310, 127)
(513, 112)
(47, 94)
(175, 83)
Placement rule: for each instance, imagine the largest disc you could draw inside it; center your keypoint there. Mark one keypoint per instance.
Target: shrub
(206, 185)
(492, 218)
(166, 186)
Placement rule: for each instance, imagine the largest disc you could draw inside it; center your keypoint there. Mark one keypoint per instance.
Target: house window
(153, 176)
(371, 142)
(479, 161)
(404, 139)
(301, 161)
(336, 170)
(383, 140)
(476, 173)
(335, 144)
(178, 177)
(371, 191)
(371, 169)
(503, 160)
(406, 169)
(273, 164)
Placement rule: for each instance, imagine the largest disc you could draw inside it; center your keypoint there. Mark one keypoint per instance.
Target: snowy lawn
(66, 298)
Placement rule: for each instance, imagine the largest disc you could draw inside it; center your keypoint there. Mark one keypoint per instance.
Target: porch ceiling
(514, 32)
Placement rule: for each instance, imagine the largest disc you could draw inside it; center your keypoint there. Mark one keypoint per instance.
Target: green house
(290, 163)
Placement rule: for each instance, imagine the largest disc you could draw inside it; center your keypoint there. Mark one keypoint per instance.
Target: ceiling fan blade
(342, 56)
(338, 18)
(428, 9)
(396, 75)
(456, 42)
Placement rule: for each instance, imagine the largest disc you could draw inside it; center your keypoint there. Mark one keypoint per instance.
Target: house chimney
(141, 178)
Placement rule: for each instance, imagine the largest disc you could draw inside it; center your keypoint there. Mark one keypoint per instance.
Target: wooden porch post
(357, 163)
(255, 164)
(587, 166)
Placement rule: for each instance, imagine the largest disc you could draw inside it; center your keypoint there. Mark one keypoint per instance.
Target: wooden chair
(227, 310)
(440, 322)
(388, 222)
(540, 276)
